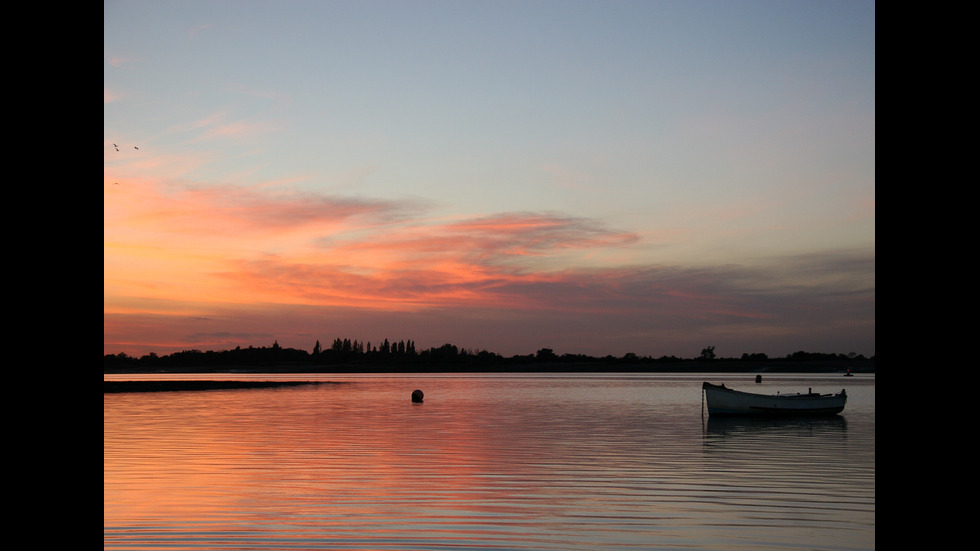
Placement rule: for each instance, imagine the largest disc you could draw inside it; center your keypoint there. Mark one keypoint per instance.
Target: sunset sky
(592, 177)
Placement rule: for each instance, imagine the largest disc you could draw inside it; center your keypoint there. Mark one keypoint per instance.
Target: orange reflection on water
(573, 462)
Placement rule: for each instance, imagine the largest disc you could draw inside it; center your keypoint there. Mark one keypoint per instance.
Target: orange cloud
(229, 265)
(225, 244)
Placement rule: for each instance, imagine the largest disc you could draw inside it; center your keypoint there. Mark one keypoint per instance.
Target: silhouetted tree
(404, 352)
(546, 355)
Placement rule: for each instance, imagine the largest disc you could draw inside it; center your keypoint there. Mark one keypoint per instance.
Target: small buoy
(417, 396)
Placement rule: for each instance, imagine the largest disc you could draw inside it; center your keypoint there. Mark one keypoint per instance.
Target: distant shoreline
(557, 367)
(346, 356)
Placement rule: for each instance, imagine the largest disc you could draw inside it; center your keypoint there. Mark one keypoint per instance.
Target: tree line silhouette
(353, 355)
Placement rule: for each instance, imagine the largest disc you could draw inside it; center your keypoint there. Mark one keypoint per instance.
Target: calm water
(520, 462)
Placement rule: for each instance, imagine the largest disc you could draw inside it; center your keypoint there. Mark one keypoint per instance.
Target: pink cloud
(185, 255)
(109, 96)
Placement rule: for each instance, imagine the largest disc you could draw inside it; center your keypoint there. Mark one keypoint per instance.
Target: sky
(593, 177)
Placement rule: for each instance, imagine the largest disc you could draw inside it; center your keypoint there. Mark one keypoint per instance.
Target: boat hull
(722, 400)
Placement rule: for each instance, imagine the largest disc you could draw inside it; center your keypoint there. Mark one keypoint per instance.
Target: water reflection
(483, 463)
(797, 425)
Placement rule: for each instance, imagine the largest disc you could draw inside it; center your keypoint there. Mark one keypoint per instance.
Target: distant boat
(725, 401)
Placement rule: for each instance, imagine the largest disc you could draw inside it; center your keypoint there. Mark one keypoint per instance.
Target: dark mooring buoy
(417, 396)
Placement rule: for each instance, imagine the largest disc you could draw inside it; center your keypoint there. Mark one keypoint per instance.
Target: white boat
(726, 401)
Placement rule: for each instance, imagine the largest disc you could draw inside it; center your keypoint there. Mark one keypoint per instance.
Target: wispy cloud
(192, 33)
(221, 246)
(118, 61)
(223, 124)
(307, 247)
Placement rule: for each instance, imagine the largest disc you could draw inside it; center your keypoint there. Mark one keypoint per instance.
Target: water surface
(575, 461)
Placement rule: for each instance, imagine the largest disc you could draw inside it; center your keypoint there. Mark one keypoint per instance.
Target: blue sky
(728, 146)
